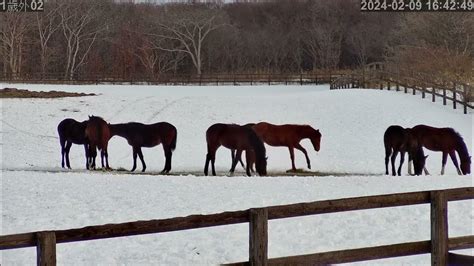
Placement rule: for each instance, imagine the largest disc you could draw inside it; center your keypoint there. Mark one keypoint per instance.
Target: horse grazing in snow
(399, 140)
(447, 141)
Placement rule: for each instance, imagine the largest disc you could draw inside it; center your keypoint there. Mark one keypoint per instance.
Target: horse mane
(92, 117)
(311, 129)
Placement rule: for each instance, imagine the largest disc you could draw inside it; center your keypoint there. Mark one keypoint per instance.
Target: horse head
(261, 167)
(316, 139)
(419, 161)
(466, 166)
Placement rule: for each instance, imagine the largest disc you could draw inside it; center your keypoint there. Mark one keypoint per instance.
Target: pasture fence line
(438, 246)
(322, 77)
(454, 91)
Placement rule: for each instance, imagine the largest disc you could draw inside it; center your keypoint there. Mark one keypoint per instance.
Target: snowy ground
(38, 195)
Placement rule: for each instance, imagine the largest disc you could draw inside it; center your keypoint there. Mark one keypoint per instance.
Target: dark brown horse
(98, 134)
(290, 136)
(447, 141)
(399, 140)
(139, 135)
(240, 138)
(250, 155)
(71, 131)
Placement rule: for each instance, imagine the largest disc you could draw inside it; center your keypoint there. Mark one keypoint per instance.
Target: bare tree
(47, 24)
(13, 34)
(437, 44)
(185, 30)
(80, 26)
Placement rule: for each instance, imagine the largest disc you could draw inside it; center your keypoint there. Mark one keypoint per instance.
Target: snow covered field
(38, 195)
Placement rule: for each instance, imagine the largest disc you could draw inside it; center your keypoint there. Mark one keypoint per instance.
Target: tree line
(135, 40)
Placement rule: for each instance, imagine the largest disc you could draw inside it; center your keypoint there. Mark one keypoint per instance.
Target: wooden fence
(178, 79)
(456, 92)
(439, 245)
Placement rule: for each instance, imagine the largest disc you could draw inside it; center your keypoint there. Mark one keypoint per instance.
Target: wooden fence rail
(438, 246)
(459, 92)
(181, 79)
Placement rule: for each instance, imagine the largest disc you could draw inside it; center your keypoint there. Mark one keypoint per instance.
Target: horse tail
(386, 142)
(174, 140)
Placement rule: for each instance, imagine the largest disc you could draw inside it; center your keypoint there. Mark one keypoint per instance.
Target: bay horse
(250, 155)
(399, 140)
(289, 135)
(240, 138)
(447, 141)
(71, 131)
(98, 134)
(140, 135)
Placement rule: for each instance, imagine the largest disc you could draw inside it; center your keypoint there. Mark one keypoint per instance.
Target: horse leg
(140, 154)
(292, 156)
(95, 156)
(210, 157)
(402, 159)
(248, 159)
(92, 155)
(426, 171)
(135, 153)
(387, 157)
(62, 142)
(394, 157)
(106, 154)
(86, 151)
(443, 162)
(242, 163)
(206, 165)
(299, 147)
(168, 154)
(102, 155)
(251, 159)
(452, 154)
(67, 149)
(232, 156)
(238, 155)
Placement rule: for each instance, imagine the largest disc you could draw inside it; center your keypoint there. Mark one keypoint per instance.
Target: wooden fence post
(414, 89)
(388, 85)
(258, 245)
(433, 98)
(439, 228)
(46, 249)
(423, 90)
(454, 96)
(444, 95)
(406, 86)
(466, 98)
(398, 85)
(381, 85)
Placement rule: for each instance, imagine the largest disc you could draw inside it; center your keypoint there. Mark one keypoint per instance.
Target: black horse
(400, 140)
(139, 135)
(71, 131)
